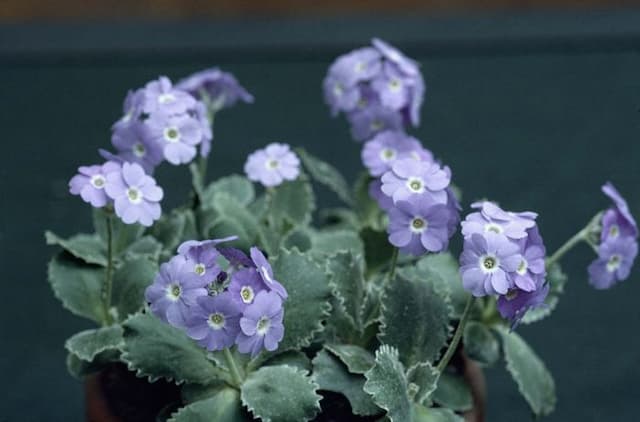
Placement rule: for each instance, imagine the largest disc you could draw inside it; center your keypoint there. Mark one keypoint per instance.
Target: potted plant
(258, 304)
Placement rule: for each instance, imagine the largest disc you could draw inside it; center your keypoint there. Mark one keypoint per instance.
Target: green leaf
(529, 372)
(377, 249)
(347, 280)
(298, 238)
(173, 228)
(414, 320)
(331, 375)
(480, 344)
(423, 379)
(339, 219)
(144, 248)
(224, 406)
(281, 394)
(234, 219)
(423, 414)
(89, 343)
(309, 295)
(292, 358)
(78, 286)
(557, 280)
(367, 209)
(444, 269)
(238, 187)
(88, 247)
(292, 202)
(357, 359)
(453, 393)
(79, 368)
(387, 384)
(157, 350)
(129, 283)
(329, 242)
(325, 173)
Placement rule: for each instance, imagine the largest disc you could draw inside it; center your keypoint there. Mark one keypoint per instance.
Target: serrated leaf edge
(99, 350)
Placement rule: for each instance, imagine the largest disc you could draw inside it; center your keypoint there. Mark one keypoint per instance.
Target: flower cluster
(220, 297)
(378, 88)
(272, 165)
(216, 88)
(618, 246)
(504, 255)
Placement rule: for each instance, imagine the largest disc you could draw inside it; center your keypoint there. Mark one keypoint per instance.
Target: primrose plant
(260, 307)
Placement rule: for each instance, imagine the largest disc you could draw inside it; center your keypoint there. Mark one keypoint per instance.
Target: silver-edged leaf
(88, 344)
(88, 247)
(425, 378)
(324, 173)
(388, 385)
(223, 406)
(238, 187)
(453, 393)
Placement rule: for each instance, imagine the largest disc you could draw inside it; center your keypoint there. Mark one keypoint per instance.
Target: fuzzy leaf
(281, 394)
(224, 406)
(357, 359)
(236, 220)
(453, 393)
(309, 295)
(173, 228)
(88, 247)
(325, 173)
(377, 249)
(331, 375)
(157, 350)
(387, 384)
(79, 368)
(529, 372)
(292, 202)
(129, 283)
(238, 187)
(78, 286)
(299, 238)
(89, 343)
(329, 242)
(481, 344)
(414, 320)
(557, 280)
(348, 283)
(423, 414)
(292, 358)
(145, 247)
(367, 209)
(424, 377)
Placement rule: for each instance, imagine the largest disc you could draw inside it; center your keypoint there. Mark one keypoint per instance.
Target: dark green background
(533, 111)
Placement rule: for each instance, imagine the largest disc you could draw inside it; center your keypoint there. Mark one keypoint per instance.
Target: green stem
(233, 367)
(108, 278)
(456, 336)
(569, 244)
(392, 268)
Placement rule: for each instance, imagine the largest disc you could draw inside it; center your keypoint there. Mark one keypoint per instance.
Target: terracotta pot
(473, 374)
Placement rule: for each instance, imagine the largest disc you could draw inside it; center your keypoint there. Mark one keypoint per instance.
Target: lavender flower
(161, 96)
(419, 225)
(492, 218)
(617, 220)
(266, 273)
(515, 304)
(487, 264)
(395, 56)
(136, 196)
(214, 321)
(272, 165)
(614, 262)
(174, 291)
(245, 285)
(375, 192)
(134, 145)
(222, 88)
(454, 212)
(409, 177)
(261, 324)
(530, 274)
(373, 119)
(131, 109)
(200, 114)
(379, 154)
(90, 183)
(202, 256)
(176, 135)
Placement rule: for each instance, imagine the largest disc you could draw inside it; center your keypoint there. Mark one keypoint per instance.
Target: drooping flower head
(384, 149)
(90, 183)
(617, 220)
(272, 165)
(135, 195)
(266, 273)
(614, 262)
(409, 177)
(214, 321)
(516, 303)
(261, 324)
(174, 292)
(221, 88)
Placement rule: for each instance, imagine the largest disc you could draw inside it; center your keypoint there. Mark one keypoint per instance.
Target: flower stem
(392, 268)
(233, 367)
(456, 336)
(582, 236)
(108, 278)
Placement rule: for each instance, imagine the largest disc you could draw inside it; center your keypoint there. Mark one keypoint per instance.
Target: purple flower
(245, 285)
(136, 196)
(222, 88)
(202, 257)
(531, 272)
(419, 225)
(386, 147)
(214, 321)
(373, 119)
(200, 113)
(339, 96)
(454, 212)
(375, 191)
(266, 273)
(161, 96)
(174, 291)
(134, 145)
(410, 177)
(614, 262)
(236, 257)
(515, 304)
(90, 183)
(357, 66)
(395, 56)
(487, 264)
(272, 165)
(131, 109)
(492, 218)
(617, 221)
(392, 87)
(261, 324)
(176, 135)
